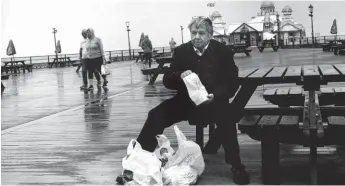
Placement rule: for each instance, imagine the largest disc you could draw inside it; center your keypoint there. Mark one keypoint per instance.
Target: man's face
(199, 36)
(89, 34)
(84, 34)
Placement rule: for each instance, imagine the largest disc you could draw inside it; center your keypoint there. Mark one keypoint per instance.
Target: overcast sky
(29, 23)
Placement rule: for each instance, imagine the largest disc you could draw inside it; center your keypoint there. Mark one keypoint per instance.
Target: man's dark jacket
(216, 69)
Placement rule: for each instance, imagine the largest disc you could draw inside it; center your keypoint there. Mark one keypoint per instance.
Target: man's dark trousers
(84, 70)
(181, 108)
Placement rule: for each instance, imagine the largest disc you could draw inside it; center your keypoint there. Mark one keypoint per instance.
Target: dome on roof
(267, 4)
(215, 14)
(287, 8)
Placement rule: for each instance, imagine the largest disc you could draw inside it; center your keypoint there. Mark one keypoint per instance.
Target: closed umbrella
(58, 47)
(334, 29)
(141, 39)
(10, 49)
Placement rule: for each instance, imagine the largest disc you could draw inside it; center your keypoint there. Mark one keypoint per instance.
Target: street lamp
(278, 25)
(129, 41)
(54, 32)
(312, 25)
(182, 33)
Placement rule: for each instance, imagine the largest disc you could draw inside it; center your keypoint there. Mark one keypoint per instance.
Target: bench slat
(295, 91)
(270, 92)
(245, 73)
(268, 120)
(328, 70)
(261, 72)
(336, 120)
(289, 121)
(293, 71)
(249, 120)
(282, 91)
(326, 90)
(277, 72)
(311, 72)
(341, 68)
(339, 90)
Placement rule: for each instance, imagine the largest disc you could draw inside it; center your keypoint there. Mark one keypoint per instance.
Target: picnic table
(240, 48)
(338, 47)
(15, 66)
(310, 125)
(61, 61)
(141, 55)
(266, 43)
(161, 69)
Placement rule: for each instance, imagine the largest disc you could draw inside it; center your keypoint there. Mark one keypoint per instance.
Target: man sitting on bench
(213, 63)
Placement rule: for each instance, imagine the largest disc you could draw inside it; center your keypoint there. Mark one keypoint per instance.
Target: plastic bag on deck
(144, 165)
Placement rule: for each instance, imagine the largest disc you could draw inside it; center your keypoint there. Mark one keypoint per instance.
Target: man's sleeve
(228, 83)
(172, 80)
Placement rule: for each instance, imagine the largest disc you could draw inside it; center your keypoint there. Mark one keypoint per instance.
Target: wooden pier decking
(53, 133)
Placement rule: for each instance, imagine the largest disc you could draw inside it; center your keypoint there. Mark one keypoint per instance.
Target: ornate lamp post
(54, 32)
(182, 33)
(312, 25)
(129, 41)
(278, 25)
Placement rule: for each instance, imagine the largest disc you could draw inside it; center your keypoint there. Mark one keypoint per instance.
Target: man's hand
(210, 98)
(186, 73)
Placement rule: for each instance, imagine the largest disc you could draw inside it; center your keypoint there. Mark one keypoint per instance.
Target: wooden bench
(285, 97)
(272, 128)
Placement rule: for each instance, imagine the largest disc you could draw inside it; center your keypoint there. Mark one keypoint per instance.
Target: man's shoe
(83, 87)
(105, 82)
(240, 176)
(91, 87)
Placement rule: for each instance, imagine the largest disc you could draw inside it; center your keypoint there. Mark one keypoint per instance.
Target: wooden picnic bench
(161, 69)
(141, 55)
(286, 97)
(16, 65)
(240, 48)
(338, 48)
(266, 43)
(310, 125)
(61, 61)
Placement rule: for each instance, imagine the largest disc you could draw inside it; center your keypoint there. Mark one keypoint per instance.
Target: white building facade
(290, 31)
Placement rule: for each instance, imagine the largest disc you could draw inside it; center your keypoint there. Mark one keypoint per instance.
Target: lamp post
(312, 25)
(278, 25)
(129, 41)
(54, 32)
(182, 33)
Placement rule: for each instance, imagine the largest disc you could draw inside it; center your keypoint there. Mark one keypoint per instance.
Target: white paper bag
(196, 90)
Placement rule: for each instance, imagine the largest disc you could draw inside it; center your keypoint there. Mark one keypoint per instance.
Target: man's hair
(198, 21)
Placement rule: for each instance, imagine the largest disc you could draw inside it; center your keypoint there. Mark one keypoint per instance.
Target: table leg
(155, 75)
(270, 157)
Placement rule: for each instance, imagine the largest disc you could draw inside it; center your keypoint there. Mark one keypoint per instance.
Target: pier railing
(112, 56)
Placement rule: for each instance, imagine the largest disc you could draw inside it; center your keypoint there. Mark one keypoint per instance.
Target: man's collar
(200, 53)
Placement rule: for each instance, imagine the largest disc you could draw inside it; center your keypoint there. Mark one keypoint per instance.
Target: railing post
(163, 51)
(133, 54)
(48, 58)
(324, 39)
(30, 60)
(122, 54)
